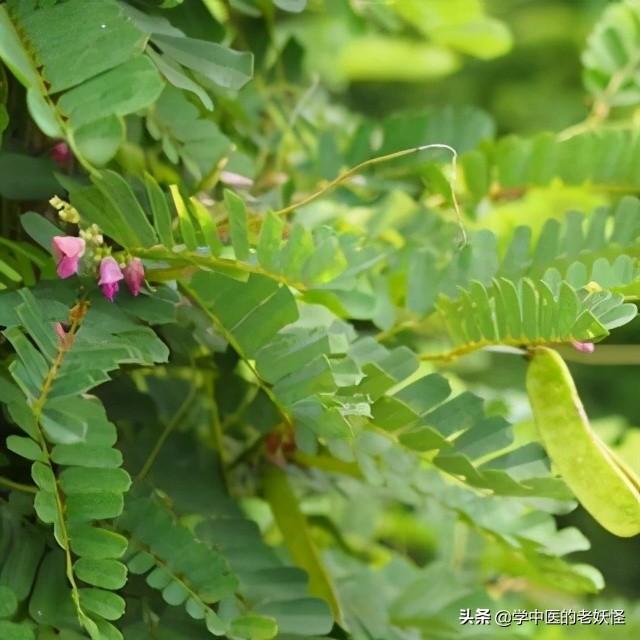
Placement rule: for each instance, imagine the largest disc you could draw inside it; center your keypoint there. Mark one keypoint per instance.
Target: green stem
(170, 426)
(345, 175)
(77, 314)
(17, 486)
(188, 258)
(216, 431)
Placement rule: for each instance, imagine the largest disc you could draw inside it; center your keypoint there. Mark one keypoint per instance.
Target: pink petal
(583, 347)
(235, 179)
(109, 290)
(60, 153)
(69, 246)
(134, 275)
(67, 267)
(60, 332)
(110, 272)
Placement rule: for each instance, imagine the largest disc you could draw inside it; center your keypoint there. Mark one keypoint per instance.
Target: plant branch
(191, 294)
(17, 486)
(76, 315)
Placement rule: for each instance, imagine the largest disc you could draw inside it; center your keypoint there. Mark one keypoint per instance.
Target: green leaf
(95, 207)
(227, 68)
(8, 602)
(325, 263)
(86, 480)
(106, 573)
(103, 39)
(180, 564)
(25, 177)
(186, 135)
(238, 224)
(253, 627)
(304, 616)
(459, 24)
(46, 506)
(187, 229)
(44, 114)
(16, 631)
(25, 447)
(295, 6)
(39, 229)
(86, 456)
(43, 476)
(133, 85)
(85, 507)
(429, 61)
(116, 190)
(98, 141)
(13, 53)
(270, 242)
(207, 226)
(294, 528)
(4, 120)
(159, 211)
(611, 54)
(174, 74)
(92, 542)
(105, 604)
(529, 312)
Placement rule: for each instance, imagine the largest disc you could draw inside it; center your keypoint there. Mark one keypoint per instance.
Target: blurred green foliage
(320, 395)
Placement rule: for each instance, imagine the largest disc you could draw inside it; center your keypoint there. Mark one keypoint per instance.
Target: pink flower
(60, 153)
(235, 179)
(583, 347)
(134, 275)
(110, 276)
(60, 332)
(67, 250)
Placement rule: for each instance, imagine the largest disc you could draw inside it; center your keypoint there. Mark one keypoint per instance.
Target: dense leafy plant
(234, 313)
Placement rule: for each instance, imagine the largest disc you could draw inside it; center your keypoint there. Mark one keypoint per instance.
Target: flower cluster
(68, 250)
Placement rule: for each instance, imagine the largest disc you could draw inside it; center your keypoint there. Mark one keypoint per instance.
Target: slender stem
(17, 486)
(327, 464)
(170, 426)
(382, 336)
(216, 431)
(233, 418)
(520, 345)
(191, 258)
(605, 355)
(77, 314)
(247, 453)
(379, 160)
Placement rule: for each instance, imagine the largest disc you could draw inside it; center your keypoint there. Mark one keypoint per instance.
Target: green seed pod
(603, 484)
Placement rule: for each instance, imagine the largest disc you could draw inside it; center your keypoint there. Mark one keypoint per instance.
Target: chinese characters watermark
(565, 617)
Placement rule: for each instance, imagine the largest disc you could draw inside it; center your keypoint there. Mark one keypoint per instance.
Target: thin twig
(345, 175)
(17, 486)
(601, 105)
(171, 425)
(217, 435)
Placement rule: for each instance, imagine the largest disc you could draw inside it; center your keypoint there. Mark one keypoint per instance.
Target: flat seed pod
(605, 487)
